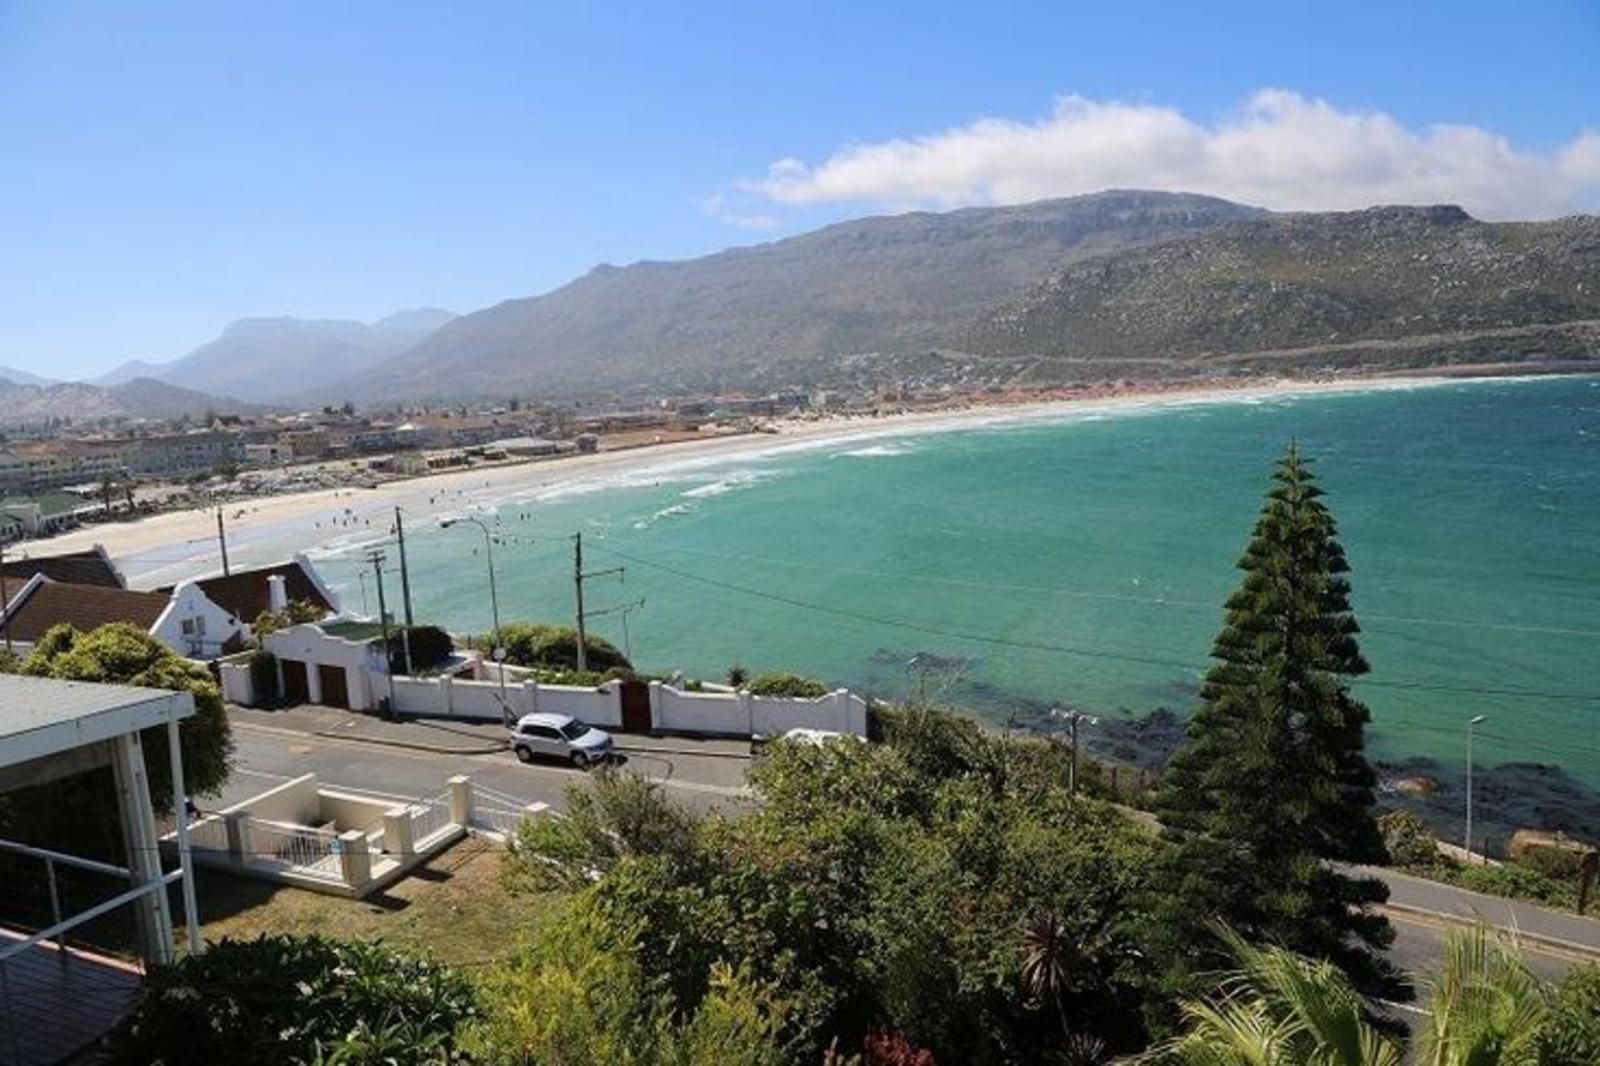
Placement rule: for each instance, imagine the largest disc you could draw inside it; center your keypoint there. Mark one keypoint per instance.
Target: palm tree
(1487, 1008)
(1277, 1009)
(1051, 962)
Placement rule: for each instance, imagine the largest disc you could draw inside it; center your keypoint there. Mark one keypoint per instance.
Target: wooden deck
(54, 1002)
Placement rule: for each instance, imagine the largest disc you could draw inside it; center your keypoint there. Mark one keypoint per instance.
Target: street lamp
(1470, 724)
(498, 652)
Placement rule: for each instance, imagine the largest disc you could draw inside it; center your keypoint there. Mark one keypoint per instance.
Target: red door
(635, 707)
(335, 693)
(295, 687)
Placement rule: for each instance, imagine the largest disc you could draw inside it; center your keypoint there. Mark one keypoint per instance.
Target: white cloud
(1281, 150)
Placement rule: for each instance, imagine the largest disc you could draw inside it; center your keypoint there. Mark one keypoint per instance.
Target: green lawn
(451, 907)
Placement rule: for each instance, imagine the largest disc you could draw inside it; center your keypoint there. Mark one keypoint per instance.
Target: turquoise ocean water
(1085, 559)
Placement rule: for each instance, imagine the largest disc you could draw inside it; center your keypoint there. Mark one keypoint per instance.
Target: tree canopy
(123, 654)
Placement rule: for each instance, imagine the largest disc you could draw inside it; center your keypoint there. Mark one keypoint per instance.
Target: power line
(1115, 597)
(1064, 649)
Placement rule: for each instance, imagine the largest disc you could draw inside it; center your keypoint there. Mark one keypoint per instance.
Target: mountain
(901, 283)
(1384, 287)
(22, 377)
(133, 368)
(267, 359)
(82, 402)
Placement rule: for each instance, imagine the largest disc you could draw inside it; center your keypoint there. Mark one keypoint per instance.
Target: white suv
(560, 736)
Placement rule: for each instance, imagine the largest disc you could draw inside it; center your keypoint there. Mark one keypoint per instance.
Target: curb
(409, 745)
(683, 751)
(1591, 951)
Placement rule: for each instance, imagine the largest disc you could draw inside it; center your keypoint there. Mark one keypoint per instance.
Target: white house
(185, 619)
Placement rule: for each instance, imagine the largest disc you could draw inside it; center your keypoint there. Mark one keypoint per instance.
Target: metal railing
(430, 816)
(50, 859)
(306, 848)
(210, 833)
(497, 811)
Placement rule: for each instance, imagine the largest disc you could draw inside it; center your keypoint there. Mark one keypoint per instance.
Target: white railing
(496, 811)
(209, 834)
(430, 816)
(308, 849)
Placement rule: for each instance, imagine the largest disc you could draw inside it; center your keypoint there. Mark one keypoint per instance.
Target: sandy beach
(168, 547)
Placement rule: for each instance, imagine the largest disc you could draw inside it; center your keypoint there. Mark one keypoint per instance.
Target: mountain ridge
(904, 282)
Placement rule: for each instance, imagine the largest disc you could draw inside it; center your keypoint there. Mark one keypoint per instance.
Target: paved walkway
(451, 736)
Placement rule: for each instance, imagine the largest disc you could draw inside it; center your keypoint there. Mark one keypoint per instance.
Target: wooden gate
(335, 691)
(296, 689)
(635, 707)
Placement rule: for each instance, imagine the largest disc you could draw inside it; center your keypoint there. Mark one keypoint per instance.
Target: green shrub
(787, 685)
(430, 646)
(1408, 840)
(534, 644)
(264, 675)
(296, 999)
(1571, 1037)
(1516, 882)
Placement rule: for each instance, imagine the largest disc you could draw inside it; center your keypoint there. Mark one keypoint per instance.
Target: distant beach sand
(168, 547)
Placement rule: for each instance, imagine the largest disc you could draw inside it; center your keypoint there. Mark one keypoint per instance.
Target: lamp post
(494, 605)
(1470, 724)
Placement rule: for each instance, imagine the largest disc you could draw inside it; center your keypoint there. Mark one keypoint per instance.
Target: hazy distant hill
(82, 402)
(22, 377)
(897, 283)
(1389, 286)
(265, 359)
(133, 368)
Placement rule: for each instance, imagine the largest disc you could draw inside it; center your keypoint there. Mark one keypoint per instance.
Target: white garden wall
(672, 710)
(598, 707)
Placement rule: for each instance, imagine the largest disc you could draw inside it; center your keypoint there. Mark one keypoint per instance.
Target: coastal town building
(246, 594)
(185, 619)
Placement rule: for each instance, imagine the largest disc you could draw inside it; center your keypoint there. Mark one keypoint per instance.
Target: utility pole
(577, 585)
(405, 590)
(376, 557)
(405, 574)
(1470, 724)
(1073, 720)
(578, 578)
(5, 600)
(222, 540)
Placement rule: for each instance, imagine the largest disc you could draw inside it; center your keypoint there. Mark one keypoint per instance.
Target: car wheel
(580, 760)
(523, 754)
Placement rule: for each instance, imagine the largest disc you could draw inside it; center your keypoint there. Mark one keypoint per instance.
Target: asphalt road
(264, 757)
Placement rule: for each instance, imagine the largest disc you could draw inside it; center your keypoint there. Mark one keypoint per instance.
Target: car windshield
(574, 730)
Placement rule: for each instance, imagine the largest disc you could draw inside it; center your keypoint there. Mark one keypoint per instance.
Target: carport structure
(55, 997)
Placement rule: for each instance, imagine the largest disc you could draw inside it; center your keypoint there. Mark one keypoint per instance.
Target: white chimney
(277, 593)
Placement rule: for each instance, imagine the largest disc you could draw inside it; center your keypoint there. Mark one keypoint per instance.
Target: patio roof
(43, 716)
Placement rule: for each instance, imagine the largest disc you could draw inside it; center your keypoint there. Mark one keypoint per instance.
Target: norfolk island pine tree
(1272, 782)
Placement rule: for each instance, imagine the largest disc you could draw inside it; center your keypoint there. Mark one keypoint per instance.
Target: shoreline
(161, 549)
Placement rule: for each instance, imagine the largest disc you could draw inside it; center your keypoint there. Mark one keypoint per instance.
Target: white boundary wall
(742, 714)
(672, 710)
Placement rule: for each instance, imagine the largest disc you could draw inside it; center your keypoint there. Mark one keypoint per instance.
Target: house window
(194, 627)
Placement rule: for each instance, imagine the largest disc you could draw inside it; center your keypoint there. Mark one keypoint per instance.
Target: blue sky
(167, 168)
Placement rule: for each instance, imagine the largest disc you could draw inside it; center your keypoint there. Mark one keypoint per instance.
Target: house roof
(43, 716)
(244, 593)
(85, 607)
(89, 567)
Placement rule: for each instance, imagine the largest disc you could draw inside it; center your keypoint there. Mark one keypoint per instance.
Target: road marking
(1436, 921)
